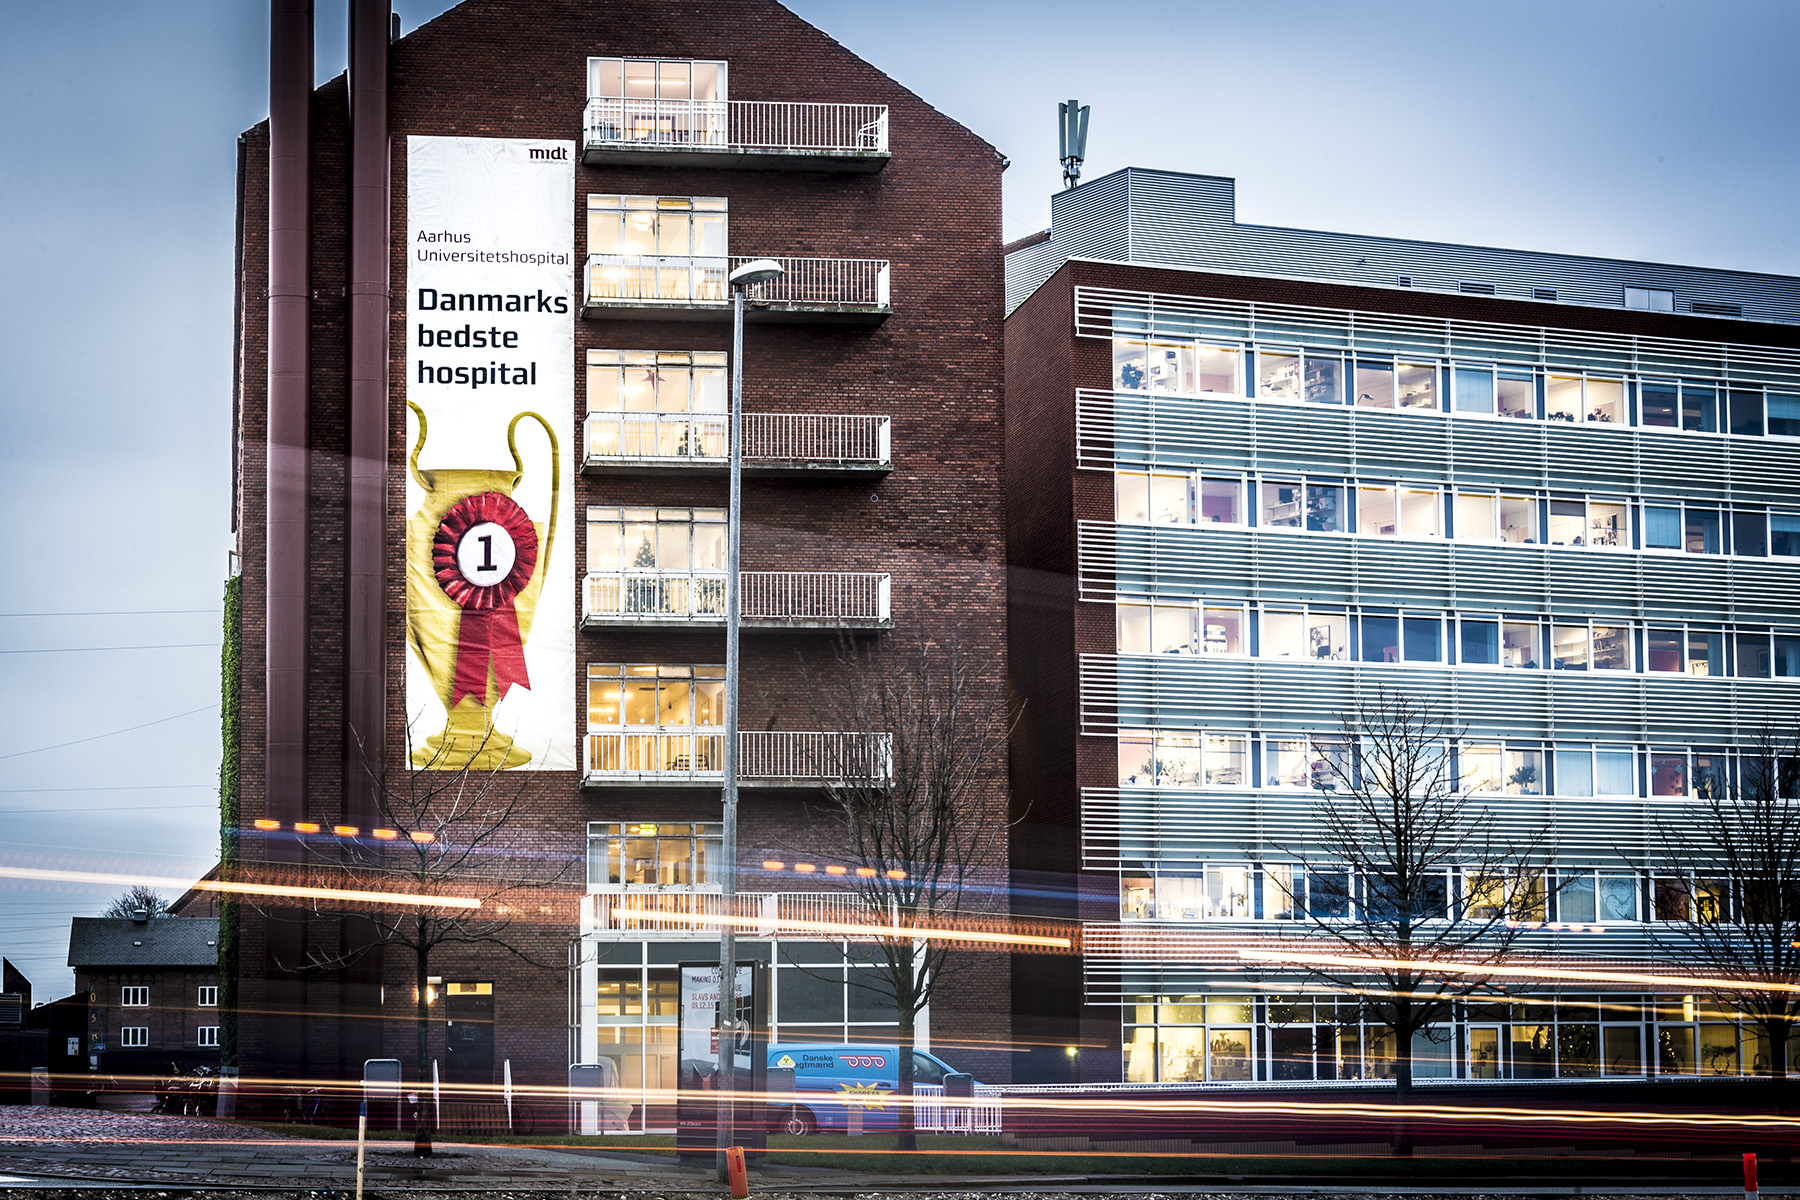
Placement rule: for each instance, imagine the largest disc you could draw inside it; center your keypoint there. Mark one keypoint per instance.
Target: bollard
(1749, 1177)
(736, 1173)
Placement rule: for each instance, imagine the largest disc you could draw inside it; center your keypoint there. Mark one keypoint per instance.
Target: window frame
(134, 995)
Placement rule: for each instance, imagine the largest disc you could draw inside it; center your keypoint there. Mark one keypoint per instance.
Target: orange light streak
(109, 879)
(1455, 968)
(306, 827)
(267, 824)
(386, 835)
(851, 928)
(345, 830)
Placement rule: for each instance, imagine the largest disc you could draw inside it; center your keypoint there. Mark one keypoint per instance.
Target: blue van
(831, 1079)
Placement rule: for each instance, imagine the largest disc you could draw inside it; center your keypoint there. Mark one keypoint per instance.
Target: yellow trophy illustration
(473, 577)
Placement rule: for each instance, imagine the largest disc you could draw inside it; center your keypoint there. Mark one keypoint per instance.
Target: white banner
(490, 365)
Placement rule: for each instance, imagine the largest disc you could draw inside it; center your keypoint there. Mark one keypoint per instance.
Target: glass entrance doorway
(1484, 1052)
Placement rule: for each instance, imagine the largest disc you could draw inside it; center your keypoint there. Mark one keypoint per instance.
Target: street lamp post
(753, 272)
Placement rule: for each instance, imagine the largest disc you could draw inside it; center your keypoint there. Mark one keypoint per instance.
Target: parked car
(831, 1081)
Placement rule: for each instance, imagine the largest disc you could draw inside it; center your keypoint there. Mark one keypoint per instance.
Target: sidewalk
(135, 1147)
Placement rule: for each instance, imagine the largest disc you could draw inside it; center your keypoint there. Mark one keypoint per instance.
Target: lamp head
(757, 270)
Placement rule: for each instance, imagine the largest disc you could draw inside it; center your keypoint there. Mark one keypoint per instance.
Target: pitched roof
(158, 942)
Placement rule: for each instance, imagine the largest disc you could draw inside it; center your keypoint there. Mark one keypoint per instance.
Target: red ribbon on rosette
(470, 569)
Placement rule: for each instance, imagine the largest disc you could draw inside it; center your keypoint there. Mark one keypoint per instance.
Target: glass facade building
(1261, 475)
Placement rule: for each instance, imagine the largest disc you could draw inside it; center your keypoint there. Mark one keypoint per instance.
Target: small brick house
(152, 989)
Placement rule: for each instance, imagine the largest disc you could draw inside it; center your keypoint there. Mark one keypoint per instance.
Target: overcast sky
(1641, 129)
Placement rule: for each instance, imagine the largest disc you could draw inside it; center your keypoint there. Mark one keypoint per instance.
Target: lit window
(1373, 383)
(657, 101)
(653, 854)
(1417, 385)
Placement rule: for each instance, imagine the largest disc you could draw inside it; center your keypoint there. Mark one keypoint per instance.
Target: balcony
(684, 914)
(823, 291)
(765, 135)
(790, 445)
(799, 600)
(766, 758)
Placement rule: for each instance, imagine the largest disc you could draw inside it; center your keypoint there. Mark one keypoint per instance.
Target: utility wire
(86, 649)
(119, 612)
(112, 733)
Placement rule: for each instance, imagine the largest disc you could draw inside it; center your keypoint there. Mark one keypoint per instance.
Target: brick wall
(935, 523)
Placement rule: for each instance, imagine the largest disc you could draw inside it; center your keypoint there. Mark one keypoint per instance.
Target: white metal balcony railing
(678, 756)
(826, 598)
(749, 125)
(843, 284)
(770, 439)
(758, 914)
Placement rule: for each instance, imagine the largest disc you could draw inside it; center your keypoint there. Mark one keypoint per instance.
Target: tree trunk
(1403, 1078)
(423, 964)
(907, 1139)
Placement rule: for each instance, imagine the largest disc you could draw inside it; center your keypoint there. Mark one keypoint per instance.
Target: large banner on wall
(490, 388)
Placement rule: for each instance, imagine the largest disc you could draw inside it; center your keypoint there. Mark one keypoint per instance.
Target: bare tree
(915, 805)
(1406, 883)
(1728, 890)
(453, 838)
(140, 899)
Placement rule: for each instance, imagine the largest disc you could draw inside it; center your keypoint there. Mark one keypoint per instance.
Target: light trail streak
(110, 879)
(851, 928)
(1427, 967)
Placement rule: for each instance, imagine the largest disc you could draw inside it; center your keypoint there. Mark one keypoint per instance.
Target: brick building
(1258, 475)
(502, 239)
(152, 992)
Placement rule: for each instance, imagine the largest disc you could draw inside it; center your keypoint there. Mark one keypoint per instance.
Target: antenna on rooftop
(1072, 122)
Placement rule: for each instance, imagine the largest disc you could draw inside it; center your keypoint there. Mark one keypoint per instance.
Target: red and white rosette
(484, 553)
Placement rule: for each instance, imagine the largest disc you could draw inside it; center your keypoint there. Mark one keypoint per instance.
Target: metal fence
(819, 283)
(774, 125)
(817, 437)
(772, 754)
(761, 914)
(824, 597)
(822, 283)
(932, 1113)
(656, 278)
(769, 438)
(656, 435)
(680, 755)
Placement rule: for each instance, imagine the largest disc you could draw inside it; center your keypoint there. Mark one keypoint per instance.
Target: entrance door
(469, 1033)
(1484, 1052)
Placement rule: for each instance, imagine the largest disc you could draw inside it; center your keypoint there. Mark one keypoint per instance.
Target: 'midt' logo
(560, 154)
